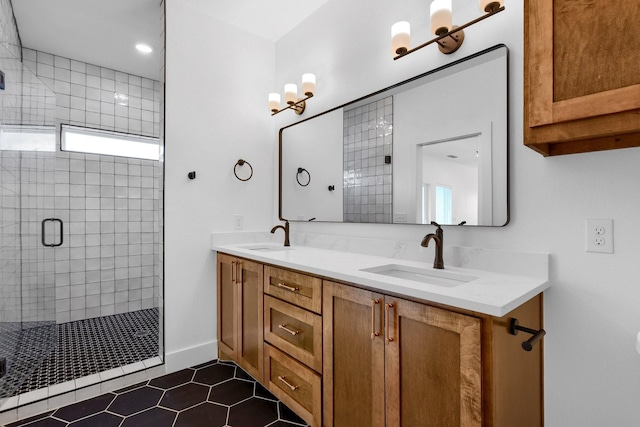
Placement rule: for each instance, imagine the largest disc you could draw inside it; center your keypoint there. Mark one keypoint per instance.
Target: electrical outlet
(238, 222)
(399, 217)
(600, 235)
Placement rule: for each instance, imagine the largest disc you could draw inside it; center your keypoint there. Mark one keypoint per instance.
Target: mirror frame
(397, 85)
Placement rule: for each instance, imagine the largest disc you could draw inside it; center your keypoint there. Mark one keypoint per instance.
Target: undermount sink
(268, 248)
(422, 275)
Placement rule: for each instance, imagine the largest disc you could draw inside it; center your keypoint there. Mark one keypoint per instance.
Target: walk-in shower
(81, 219)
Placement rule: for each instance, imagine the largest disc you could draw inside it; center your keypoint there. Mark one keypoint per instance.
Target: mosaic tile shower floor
(78, 349)
(215, 394)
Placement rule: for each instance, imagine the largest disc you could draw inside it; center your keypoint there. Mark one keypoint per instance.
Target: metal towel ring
(241, 163)
(300, 170)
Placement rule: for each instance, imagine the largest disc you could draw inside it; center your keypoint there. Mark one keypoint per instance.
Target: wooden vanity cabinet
(293, 340)
(582, 76)
(363, 358)
(393, 362)
(240, 308)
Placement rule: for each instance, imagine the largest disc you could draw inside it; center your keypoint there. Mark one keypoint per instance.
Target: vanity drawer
(293, 330)
(294, 384)
(297, 288)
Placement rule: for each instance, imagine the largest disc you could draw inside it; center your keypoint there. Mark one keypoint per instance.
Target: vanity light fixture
(449, 37)
(291, 96)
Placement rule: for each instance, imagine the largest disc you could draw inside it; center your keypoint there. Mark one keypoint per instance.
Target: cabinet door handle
(239, 272)
(233, 272)
(289, 288)
(374, 334)
(284, 380)
(291, 331)
(387, 307)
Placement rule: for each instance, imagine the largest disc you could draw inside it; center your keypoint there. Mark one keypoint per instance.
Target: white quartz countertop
(489, 293)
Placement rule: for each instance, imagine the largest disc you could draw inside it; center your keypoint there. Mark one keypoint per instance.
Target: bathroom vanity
(348, 339)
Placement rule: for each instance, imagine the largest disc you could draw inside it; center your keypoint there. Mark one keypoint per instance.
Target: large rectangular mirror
(432, 148)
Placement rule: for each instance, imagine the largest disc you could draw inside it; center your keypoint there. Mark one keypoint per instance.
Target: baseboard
(192, 356)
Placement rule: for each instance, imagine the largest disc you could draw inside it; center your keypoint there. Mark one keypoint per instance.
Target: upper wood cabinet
(582, 75)
(240, 308)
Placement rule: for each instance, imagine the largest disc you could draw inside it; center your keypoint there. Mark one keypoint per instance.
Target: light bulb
(274, 102)
(308, 84)
(490, 5)
(290, 93)
(441, 16)
(400, 37)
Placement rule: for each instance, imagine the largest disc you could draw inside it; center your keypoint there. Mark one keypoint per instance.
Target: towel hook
(241, 163)
(514, 327)
(301, 170)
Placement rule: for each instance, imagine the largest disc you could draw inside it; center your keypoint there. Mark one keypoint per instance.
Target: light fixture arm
(450, 33)
(298, 106)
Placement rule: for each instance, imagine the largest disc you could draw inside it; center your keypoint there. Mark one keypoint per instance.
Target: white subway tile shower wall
(368, 135)
(109, 205)
(10, 275)
(97, 97)
(9, 37)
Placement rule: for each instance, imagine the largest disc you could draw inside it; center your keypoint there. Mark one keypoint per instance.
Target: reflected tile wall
(368, 137)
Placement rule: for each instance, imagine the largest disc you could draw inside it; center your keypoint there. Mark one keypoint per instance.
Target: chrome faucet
(438, 262)
(285, 227)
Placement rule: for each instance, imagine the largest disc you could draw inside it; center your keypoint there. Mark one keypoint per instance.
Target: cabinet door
(353, 357)
(250, 331)
(582, 81)
(432, 366)
(227, 306)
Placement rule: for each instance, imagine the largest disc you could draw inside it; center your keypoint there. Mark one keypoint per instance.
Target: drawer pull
(291, 331)
(284, 380)
(289, 288)
(374, 334)
(387, 307)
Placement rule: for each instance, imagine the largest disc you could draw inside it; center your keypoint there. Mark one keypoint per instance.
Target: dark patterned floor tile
(30, 419)
(184, 396)
(204, 365)
(173, 379)
(214, 374)
(46, 422)
(102, 419)
(85, 408)
(154, 417)
(287, 414)
(264, 393)
(281, 423)
(131, 387)
(231, 392)
(253, 412)
(206, 414)
(241, 374)
(136, 400)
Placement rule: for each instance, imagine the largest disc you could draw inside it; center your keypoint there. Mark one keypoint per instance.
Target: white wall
(592, 310)
(217, 79)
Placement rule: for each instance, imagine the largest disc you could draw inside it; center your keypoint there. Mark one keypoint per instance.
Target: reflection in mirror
(433, 148)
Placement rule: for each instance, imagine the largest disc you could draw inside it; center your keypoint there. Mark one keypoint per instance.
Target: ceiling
(105, 32)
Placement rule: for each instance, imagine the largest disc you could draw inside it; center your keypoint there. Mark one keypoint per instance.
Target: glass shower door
(27, 168)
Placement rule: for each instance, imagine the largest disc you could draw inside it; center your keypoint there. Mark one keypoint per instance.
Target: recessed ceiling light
(144, 48)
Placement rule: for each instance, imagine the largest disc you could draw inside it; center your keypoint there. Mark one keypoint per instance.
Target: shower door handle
(55, 220)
